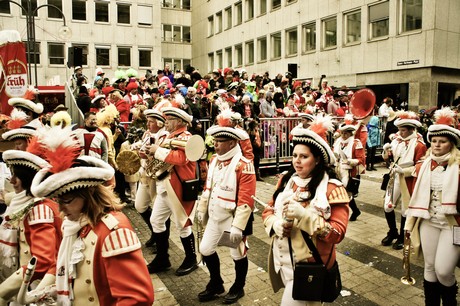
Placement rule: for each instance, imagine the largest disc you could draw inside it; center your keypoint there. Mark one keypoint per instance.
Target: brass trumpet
(407, 279)
(199, 237)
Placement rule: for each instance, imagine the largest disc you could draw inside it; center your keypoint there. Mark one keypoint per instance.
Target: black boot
(399, 243)
(449, 295)
(189, 264)
(258, 177)
(355, 210)
(216, 283)
(146, 216)
(237, 290)
(393, 232)
(161, 261)
(432, 292)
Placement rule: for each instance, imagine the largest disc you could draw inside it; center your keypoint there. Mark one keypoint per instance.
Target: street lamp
(64, 32)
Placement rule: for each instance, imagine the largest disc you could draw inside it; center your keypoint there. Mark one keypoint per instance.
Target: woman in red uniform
(99, 244)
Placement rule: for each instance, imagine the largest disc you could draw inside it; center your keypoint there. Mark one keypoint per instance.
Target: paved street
(370, 272)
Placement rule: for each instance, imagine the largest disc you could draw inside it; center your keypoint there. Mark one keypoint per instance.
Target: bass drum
(128, 162)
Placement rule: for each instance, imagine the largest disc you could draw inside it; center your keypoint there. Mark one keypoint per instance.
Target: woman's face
(346, 134)
(303, 160)
(71, 206)
(440, 145)
(16, 182)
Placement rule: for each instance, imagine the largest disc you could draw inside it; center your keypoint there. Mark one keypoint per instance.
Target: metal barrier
(71, 103)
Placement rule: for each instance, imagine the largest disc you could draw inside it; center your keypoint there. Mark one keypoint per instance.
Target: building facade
(407, 49)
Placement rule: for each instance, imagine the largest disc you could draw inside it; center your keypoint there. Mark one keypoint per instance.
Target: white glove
(398, 169)
(236, 234)
(295, 210)
(386, 146)
(278, 227)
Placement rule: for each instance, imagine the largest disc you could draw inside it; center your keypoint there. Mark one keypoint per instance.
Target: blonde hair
(99, 201)
(454, 155)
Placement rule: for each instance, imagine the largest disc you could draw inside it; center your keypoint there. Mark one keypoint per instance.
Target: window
(309, 37)
(263, 7)
(249, 52)
(103, 55)
(330, 33)
(145, 57)
(170, 62)
(123, 13)
(262, 49)
(276, 45)
(78, 10)
(291, 42)
(239, 55)
(124, 56)
(25, 4)
(228, 17)
(5, 7)
(379, 20)
(167, 32)
(144, 15)
(352, 27)
(34, 54)
(210, 61)
(102, 11)
(210, 26)
(186, 35)
(186, 6)
(186, 63)
(84, 53)
(239, 13)
(177, 36)
(228, 56)
(52, 12)
(56, 53)
(220, 62)
(290, 1)
(250, 9)
(276, 4)
(411, 15)
(218, 22)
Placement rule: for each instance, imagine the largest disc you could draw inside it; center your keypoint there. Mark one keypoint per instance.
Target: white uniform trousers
(145, 196)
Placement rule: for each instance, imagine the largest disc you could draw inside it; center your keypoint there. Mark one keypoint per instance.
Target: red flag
(13, 73)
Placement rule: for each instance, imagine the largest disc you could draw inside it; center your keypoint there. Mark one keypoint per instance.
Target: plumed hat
(18, 127)
(67, 171)
(308, 113)
(408, 118)
(176, 109)
(445, 125)
(27, 101)
(347, 124)
(224, 127)
(316, 135)
(153, 113)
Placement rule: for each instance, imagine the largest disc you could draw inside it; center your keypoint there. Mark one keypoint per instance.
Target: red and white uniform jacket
(113, 271)
(182, 170)
(246, 146)
(352, 158)
(92, 143)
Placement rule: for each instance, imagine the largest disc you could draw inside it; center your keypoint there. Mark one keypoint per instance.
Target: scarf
(344, 148)
(227, 187)
(420, 201)
(70, 253)
(404, 149)
(9, 235)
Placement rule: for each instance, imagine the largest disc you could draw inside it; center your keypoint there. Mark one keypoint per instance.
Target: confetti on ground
(345, 293)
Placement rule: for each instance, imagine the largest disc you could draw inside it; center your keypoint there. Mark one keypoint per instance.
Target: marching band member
(310, 198)
(92, 140)
(31, 227)
(98, 241)
(168, 201)
(19, 131)
(26, 104)
(226, 205)
(406, 149)
(433, 210)
(244, 142)
(351, 156)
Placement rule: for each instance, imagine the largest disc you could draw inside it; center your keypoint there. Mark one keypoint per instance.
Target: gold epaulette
(338, 195)
(120, 241)
(248, 167)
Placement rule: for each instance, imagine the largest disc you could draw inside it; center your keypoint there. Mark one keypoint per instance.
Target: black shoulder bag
(312, 280)
(190, 188)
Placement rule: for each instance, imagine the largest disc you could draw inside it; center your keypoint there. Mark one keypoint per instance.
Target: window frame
(34, 54)
(123, 5)
(145, 49)
(275, 6)
(239, 13)
(403, 21)
(6, 4)
(99, 56)
(305, 27)
(274, 42)
(250, 11)
(239, 55)
(119, 48)
(229, 56)
(287, 45)
(96, 10)
(75, 2)
(145, 7)
(346, 32)
(261, 49)
(57, 3)
(249, 53)
(325, 39)
(210, 25)
(61, 58)
(373, 22)
(219, 22)
(84, 52)
(228, 18)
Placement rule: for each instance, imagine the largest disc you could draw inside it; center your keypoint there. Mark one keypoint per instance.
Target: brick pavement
(370, 272)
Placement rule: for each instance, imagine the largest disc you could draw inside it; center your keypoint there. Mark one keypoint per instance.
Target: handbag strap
(196, 172)
(312, 248)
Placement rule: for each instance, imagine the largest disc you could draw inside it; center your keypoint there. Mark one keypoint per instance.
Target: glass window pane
(220, 62)
(186, 6)
(239, 55)
(218, 22)
(102, 57)
(210, 25)
(33, 6)
(210, 61)
(56, 53)
(5, 7)
(250, 4)
(34, 54)
(262, 47)
(123, 13)
(276, 4)
(84, 53)
(330, 33)
(379, 11)
(309, 34)
(52, 12)
(228, 16)
(276, 45)
(228, 56)
(124, 56)
(380, 28)
(263, 6)
(102, 12)
(186, 35)
(291, 42)
(145, 58)
(411, 15)
(239, 13)
(250, 53)
(353, 27)
(78, 10)
(177, 37)
(167, 32)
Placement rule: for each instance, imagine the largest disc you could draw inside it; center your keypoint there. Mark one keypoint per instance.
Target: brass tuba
(362, 103)
(407, 279)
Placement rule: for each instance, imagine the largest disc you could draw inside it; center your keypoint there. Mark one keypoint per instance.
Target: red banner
(13, 73)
